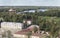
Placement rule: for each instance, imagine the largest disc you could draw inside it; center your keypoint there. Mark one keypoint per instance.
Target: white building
(26, 11)
(27, 21)
(32, 11)
(42, 10)
(20, 12)
(11, 26)
(10, 10)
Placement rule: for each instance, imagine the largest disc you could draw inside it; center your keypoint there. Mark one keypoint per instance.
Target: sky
(29, 2)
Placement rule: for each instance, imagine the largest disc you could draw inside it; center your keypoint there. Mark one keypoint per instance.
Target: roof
(32, 26)
(11, 10)
(12, 23)
(42, 10)
(23, 32)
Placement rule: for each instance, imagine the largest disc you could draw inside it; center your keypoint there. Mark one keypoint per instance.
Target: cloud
(29, 2)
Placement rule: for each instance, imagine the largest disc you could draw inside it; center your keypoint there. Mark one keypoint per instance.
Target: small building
(12, 11)
(25, 11)
(27, 21)
(29, 32)
(13, 26)
(32, 11)
(21, 34)
(42, 10)
(20, 12)
(24, 34)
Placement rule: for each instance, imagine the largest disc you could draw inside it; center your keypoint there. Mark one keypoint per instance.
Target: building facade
(11, 26)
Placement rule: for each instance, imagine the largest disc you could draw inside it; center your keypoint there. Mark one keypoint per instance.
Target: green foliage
(47, 21)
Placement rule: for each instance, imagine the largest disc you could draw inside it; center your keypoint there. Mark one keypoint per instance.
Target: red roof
(24, 31)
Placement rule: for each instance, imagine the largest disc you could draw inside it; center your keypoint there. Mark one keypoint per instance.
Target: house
(28, 21)
(25, 11)
(11, 11)
(24, 32)
(42, 10)
(13, 26)
(21, 34)
(32, 11)
(20, 12)
(29, 32)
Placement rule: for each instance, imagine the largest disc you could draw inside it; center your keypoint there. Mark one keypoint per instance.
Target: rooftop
(25, 31)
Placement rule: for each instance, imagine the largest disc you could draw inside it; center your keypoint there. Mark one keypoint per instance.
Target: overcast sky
(29, 2)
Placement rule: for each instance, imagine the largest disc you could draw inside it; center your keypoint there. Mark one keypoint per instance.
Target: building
(42, 10)
(25, 11)
(12, 11)
(12, 26)
(32, 11)
(28, 32)
(20, 12)
(27, 21)
(21, 34)
(24, 32)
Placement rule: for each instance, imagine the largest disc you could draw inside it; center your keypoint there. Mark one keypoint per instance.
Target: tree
(9, 34)
(54, 29)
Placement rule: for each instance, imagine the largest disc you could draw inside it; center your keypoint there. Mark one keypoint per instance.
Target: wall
(11, 26)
